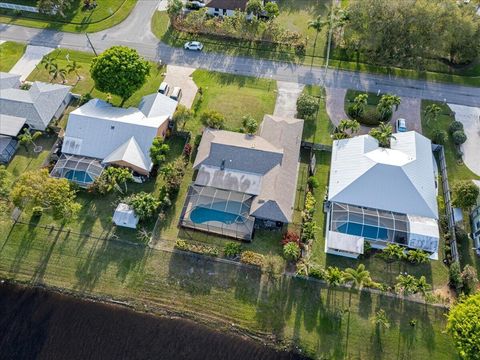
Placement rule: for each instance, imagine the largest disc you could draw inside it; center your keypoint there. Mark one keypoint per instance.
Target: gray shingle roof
(8, 81)
(38, 104)
(228, 4)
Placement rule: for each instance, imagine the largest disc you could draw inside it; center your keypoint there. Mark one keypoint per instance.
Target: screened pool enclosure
(81, 170)
(218, 211)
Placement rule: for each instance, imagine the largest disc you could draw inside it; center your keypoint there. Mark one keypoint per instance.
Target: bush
(370, 117)
(212, 119)
(465, 194)
(417, 256)
(455, 126)
(187, 150)
(198, 249)
(290, 236)
(461, 235)
(232, 249)
(291, 251)
(469, 280)
(37, 211)
(252, 258)
(85, 98)
(313, 182)
(144, 204)
(439, 137)
(307, 105)
(459, 137)
(455, 276)
(317, 272)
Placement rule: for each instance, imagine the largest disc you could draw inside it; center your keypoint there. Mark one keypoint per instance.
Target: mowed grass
(86, 84)
(322, 322)
(77, 19)
(10, 53)
(319, 129)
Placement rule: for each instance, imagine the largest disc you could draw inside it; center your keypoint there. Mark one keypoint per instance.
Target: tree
(250, 125)
(455, 126)
(254, 7)
(346, 129)
(182, 115)
(27, 137)
(439, 136)
(465, 194)
(359, 104)
(54, 6)
(334, 276)
(119, 71)
(406, 284)
(357, 277)
(462, 325)
(174, 8)
(158, 151)
(291, 251)
(47, 62)
(431, 113)
(212, 119)
(383, 133)
(114, 176)
(4, 181)
(271, 9)
(307, 105)
(37, 188)
(469, 280)
(417, 256)
(385, 105)
(56, 71)
(459, 137)
(73, 67)
(317, 24)
(423, 286)
(393, 252)
(144, 204)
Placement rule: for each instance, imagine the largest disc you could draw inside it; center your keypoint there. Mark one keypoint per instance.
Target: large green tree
(119, 71)
(465, 194)
(54, 6)
(463, 325)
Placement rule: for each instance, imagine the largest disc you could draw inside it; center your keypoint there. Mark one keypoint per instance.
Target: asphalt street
(135, 32)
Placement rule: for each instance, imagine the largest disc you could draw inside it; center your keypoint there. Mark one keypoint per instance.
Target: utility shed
(125, 216)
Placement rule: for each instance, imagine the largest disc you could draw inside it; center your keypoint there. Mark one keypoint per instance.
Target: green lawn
(10, 53)
(372, 101)
(318, 130)
(77, 19)
(86, 83)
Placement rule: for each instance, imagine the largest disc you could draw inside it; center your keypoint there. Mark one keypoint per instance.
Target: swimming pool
(78, 176)
(367, 231)
(201, 215)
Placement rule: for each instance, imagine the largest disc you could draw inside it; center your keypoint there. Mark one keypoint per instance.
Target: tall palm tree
(74, 67)
(383, 133)
(56, 71)
(316, 24)
(431, 113)
(47, 62)
(423, 286)
(357, 277)
(360, 103)
(28, 138)
(396, 101)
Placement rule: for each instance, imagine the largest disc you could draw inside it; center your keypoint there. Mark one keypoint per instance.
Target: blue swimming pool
(367, 231)
(201, 215)
(78, 176)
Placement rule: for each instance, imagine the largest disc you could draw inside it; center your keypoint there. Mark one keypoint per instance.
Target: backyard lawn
(86, 84)
(77, 19)
(318, 130)
(10, 53)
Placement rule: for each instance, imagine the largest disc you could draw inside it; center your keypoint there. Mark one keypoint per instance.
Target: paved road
(135, 32)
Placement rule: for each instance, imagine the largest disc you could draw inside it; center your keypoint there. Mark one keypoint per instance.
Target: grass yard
(10, 53)
(319, 129)
(77, 19)
(372, 101)
(232, 95)
(86, 84)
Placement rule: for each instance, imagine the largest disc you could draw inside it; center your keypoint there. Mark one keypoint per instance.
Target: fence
(18, 7)
(447, 199)
(315, 146)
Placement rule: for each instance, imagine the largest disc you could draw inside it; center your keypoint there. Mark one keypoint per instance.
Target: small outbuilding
(125, 216)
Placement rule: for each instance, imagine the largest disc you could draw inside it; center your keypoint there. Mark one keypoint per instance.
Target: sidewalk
(32, 57)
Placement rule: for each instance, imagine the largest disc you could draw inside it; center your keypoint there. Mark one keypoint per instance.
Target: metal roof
(158, 105)
(400, 179)
(130, 153)
(8, 81)
(11, 125)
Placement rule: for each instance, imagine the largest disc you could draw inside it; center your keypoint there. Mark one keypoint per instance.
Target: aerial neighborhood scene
(240, 179)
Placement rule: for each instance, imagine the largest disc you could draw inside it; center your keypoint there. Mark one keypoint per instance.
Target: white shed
(125, 216)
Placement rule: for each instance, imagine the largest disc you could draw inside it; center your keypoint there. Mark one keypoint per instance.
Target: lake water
(37, 324)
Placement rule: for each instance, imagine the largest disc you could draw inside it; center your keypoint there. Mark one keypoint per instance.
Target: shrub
(317, 272)
(232, 249)
(309, 229)
(393, 252)
(252, 258)
(85, 98)
(455, 126)
(455, 276)
(187, 150)
(439, 137)
(291, 251)
(290, 236)
(417, 256)
(196, 248)
(144, 204)
(469, 280)
(212, 119)
(307, 105)
(250, 125)
(313, 182)
(459, 137)
(465, 194)
(461, 234)
(37, 211)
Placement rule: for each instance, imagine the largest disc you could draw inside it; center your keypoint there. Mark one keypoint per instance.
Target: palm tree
(303, 267)
(334, 276)
(74, 67)
(28, 138)
(47, 62)
(431, 113)
(393, 252)
(423, 286)
(360, 103)
(407, 284)
(383, 133)
(342, 129)
(357, 277)
(386, 103)
(316, 24)
(396, 101)
(55, 71)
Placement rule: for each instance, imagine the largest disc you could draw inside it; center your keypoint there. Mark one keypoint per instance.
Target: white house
(226, 7)
(382, 195)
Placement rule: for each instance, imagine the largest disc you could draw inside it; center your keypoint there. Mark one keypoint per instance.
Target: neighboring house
(99, 134)
(475, 221)
(38, 105)
(226, 7)
(10, 128)
(382, 195)
(242, 179)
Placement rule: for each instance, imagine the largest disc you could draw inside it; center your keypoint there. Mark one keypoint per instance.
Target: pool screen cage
(233, 203)
(81, 170)
(372, 224)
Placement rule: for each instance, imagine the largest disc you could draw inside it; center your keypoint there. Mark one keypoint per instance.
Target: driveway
(182, 77)
(409, 109)
(286, 104)
(470, 118)
(33, 55)
(335, 99)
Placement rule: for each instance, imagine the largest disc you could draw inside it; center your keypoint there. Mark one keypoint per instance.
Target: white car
(195, 5)
(401, 125)
(193, 45)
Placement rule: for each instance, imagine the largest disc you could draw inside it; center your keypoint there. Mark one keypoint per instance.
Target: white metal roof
(158, 105)
(345, 242)
(130, 153)
(228, 179)
(11, 125)
(125, 216)
(400, 179)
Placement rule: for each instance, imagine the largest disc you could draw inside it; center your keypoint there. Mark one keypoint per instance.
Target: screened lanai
(218, 211)
(78, 169)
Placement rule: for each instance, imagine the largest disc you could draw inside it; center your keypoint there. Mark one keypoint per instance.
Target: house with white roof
(244, 178)
(382, 195)
(99, 134)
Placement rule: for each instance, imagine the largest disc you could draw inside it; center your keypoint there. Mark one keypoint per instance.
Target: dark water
(37, 324)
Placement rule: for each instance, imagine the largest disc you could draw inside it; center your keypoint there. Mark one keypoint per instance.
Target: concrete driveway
(335, 99)
(470, 118)
(409, 109)
(32, 56)
(182, 77)
(288, 93)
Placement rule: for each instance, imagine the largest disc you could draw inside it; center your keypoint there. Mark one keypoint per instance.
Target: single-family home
(245, 179)
(382, 195)
(475, 222)
(226, 7)
(99, 134)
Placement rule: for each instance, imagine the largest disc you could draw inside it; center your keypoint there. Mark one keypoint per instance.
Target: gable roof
(8, 81)
(400, 179)
(38, 104)
(158, 105)
(130, 153)
(228, 4)
(102, 131)
(11, 125)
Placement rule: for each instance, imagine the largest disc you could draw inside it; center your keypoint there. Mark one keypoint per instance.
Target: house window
(217, 10)
(112, 127)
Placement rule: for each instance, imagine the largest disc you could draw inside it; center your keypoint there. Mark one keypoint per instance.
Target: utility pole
(91, 45)
(330, 34)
